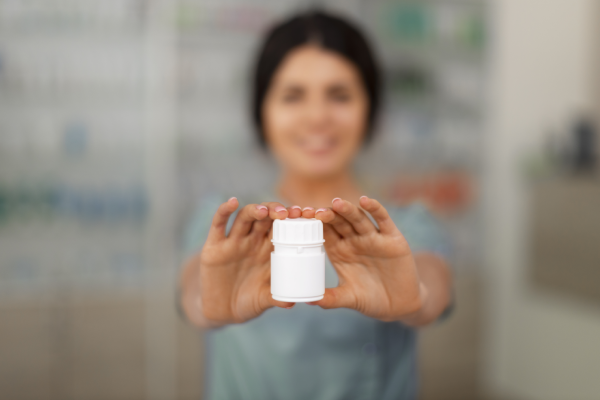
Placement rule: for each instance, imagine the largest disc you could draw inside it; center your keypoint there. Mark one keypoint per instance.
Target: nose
(317, 113)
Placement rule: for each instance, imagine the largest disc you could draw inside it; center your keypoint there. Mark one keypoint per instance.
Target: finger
(308, 212)
(262, 227)
(339, 223)
(380, 214)
(330, 235)
(276, 210)
(267, 301)
(245, 218)
(294, 212)
(337, 297)
(359, 220)
(219, 221)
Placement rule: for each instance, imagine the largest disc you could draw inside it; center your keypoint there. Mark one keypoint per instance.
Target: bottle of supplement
(298, 260)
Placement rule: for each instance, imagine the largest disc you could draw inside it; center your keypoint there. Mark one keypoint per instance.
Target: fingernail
(262, 207)
(279, 208)
(298, 207)
(307, 208)
(364, 197)
(319, 210)
(333, 201)
(232, 198)
(292, 306)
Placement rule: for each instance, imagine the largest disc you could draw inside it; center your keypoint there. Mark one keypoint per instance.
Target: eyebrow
(292, 87)
(338, 86)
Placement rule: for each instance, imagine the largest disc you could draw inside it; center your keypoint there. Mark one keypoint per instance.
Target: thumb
(337, 297)
(266, 300)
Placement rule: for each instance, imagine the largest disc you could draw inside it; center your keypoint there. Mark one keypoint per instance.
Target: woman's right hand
(234, 271)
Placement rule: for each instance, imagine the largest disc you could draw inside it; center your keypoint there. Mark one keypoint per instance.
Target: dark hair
(329, 32)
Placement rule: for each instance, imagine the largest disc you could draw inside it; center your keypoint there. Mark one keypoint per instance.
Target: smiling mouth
(317, 145)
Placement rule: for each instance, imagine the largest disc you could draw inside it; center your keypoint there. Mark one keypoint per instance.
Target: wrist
(419, 317)
(189, 302)
(199, 317)
(192, 307)
(435, 280)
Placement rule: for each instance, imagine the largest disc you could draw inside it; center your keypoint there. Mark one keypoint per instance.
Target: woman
(316, 96)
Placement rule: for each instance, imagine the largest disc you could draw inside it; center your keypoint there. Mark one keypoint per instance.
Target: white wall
(537, 346)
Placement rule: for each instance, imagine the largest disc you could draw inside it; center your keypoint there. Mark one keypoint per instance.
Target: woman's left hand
(377, 272)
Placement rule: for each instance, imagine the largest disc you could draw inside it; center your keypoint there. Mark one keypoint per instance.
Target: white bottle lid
(298, 231)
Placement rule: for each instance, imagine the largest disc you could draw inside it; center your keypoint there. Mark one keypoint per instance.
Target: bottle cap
(298, 231)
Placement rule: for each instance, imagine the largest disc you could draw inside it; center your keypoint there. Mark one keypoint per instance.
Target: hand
(377, 272)
(234, 271)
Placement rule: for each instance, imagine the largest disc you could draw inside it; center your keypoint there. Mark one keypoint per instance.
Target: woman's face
(315, 112)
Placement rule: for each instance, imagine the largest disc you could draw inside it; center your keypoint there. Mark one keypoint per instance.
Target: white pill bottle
(298, 260)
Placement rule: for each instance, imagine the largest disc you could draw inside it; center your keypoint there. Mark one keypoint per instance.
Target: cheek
(282, 118)
(351, 120)
(279, 123)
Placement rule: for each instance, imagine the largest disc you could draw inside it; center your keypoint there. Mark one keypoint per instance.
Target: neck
(317, 192)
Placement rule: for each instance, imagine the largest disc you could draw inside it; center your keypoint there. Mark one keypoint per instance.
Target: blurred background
(118, 116)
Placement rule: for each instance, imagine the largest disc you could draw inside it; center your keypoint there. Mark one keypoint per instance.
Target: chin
(322, 171)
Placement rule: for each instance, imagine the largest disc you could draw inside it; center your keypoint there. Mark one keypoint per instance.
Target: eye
(291, 97)
(340, 97)
(340, 94)
(292, 94)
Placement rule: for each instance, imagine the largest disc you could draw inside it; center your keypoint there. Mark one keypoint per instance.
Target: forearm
(190, 295)
(436, 289)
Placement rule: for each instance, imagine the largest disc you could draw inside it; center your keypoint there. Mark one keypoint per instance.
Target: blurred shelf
(39, 37)
(97, 103)
(437, 107)
(210, 40)
(437, 56)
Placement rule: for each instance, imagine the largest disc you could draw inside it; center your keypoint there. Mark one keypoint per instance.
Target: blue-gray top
(308, 352)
